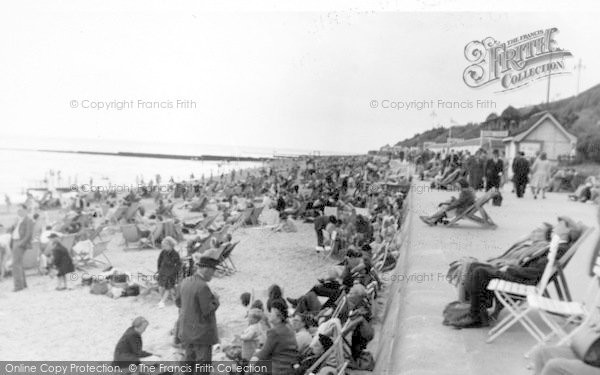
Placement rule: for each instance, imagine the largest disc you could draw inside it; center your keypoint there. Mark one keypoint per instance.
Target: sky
(249, 79)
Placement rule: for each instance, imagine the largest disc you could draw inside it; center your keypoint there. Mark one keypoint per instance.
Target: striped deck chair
(513, 296)
(477, 208)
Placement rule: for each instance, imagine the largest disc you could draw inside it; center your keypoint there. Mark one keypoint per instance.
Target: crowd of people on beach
(354, 204)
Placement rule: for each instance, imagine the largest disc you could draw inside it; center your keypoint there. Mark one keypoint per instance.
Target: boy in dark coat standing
(62, 261)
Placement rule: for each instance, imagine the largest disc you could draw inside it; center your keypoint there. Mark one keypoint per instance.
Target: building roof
(536, 120)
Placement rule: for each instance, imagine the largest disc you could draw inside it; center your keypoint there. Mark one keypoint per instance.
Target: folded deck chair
(569, 311)
(477, 208)
(513, 296)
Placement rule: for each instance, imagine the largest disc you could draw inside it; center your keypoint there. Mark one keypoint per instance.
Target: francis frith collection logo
(516, 62)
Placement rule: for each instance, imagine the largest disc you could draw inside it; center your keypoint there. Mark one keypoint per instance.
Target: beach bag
(455, 311)
(99, 287)
(497, 200)
(365, 361)
(132, 290)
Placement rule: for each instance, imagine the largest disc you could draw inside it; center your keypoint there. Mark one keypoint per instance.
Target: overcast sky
(276, 80)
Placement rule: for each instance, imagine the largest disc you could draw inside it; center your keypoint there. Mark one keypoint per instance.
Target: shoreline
(151, 155)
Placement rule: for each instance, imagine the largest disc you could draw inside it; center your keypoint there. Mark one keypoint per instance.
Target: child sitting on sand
(251, 335)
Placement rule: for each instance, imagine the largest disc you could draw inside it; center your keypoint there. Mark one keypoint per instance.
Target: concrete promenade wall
(412, 339)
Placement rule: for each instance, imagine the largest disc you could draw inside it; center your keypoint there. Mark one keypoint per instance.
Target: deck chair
(226, 265)
(93, 233)
(206, 222)
(90, 259)
(477, 208)
(255, 214)
(513, 296)
(571, 312)
(333, 360)
(131, 211)
(131, 235)
(68, 241)
(31, 258)
(243, 218)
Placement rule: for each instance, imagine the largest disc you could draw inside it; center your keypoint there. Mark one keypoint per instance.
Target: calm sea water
(20, 170)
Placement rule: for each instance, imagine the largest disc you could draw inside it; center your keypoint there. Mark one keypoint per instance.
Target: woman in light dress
(540, 175)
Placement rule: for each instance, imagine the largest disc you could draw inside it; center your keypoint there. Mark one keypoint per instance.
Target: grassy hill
(579, 114)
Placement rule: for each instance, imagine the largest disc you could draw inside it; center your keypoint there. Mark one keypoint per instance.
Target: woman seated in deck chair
(564, 234)
(454, 206)
(280, 346)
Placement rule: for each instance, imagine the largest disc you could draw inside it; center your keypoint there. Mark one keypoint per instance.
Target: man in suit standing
(493, 171)
(520, 169)
(197, 314)
(21, 236)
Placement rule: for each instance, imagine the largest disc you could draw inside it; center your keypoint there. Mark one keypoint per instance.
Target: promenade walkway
(413, 339)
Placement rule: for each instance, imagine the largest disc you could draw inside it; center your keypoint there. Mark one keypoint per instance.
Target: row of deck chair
(520, 299)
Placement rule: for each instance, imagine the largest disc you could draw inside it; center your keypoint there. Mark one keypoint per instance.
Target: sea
(24, 166)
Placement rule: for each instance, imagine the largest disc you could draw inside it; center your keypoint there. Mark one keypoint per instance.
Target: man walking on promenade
(197, 315)
(520, 169)
(493, 172)
(20, 242)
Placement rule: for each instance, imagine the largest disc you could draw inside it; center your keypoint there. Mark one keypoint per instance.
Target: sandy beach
(77, 325)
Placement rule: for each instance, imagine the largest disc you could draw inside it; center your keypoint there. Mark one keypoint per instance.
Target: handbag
(586, 344)
(497, 200)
